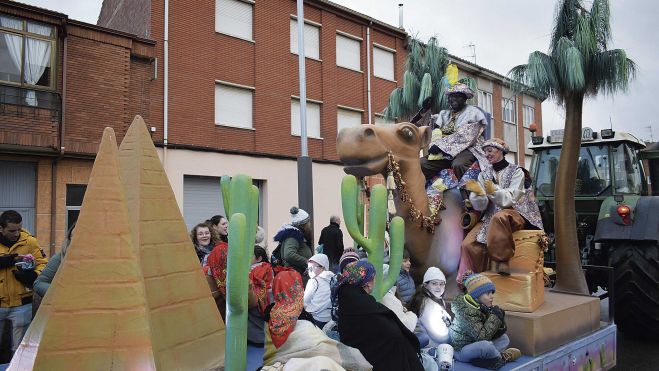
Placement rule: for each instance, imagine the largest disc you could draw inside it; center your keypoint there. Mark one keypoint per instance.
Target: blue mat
(460, 366)
(254, 357)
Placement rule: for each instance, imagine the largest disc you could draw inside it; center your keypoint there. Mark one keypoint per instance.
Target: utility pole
(304, 163)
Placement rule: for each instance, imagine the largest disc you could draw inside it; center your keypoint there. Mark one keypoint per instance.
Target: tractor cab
(608, 166)
(617, 220)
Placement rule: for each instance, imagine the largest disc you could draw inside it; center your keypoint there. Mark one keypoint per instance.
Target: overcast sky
(504, 32)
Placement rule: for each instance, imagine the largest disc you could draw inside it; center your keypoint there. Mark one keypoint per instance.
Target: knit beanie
(349, 256)
(298, 216)
(478, 284)
(259, 239)
(434, 273)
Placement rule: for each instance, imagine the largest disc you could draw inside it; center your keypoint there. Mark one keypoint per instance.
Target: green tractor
(617, 218)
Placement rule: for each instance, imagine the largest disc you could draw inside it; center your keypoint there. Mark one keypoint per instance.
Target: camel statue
(368, 150)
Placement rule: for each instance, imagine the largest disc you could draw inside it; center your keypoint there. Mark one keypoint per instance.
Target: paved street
(634, 355)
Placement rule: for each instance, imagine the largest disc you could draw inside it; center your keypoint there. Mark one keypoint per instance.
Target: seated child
(428, 303)
(389, 300)
(317, 298)
(478, 332)
(405, 283)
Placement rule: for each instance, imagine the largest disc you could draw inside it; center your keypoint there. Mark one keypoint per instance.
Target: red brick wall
(269, 67)
(128, 16)
(108, 81)
(105, 87)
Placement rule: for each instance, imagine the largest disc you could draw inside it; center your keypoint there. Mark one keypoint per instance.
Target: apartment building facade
(61, 82)
(232, 94)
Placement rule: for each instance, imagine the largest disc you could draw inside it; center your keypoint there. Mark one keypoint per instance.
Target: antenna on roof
(610, 123)
(473, 51)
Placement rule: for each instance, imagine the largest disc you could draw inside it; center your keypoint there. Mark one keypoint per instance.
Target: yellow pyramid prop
(130, 294)
(95, 315)
(188, 332)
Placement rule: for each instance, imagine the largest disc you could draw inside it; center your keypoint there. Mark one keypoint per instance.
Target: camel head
(364, 150)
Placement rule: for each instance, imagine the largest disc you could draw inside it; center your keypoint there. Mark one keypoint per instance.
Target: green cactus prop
(374, 243)
(241, 206)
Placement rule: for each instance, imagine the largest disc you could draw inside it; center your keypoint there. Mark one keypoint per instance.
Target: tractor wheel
(636, 288)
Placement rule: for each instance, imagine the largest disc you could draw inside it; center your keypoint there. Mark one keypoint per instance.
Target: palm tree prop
(424, 77)
(579, 64)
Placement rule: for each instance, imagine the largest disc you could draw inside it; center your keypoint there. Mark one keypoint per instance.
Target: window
(234, 17)
(74, 196)
(626, 170)
(509, 112)
(529, 115)
(346, 118)
(382, 120)
(593, 174)
(510, 136)
(527, 141)
(233, 106)
(348, 52)
(313, 119)
(311, 40)
(485, 101)
(383, 63)
(26, 54)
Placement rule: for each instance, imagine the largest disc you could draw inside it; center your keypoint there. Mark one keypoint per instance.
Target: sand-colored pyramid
(188, 332)
(95, 315)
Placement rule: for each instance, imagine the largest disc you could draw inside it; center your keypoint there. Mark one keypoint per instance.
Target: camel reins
(395, 182)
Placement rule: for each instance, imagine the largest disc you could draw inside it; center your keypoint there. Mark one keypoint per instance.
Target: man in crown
(462, 127)
(503, 194)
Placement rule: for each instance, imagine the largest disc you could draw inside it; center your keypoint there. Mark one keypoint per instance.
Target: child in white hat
(317, 293)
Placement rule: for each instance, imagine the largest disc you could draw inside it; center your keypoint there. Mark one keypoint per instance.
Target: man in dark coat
(331, 238)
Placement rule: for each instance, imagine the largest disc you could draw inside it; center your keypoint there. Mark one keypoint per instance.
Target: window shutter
(233, 106)
(348, 53)
(347, 119)
(311, 40)
(313, 119)
(234, 17)
(383, 63)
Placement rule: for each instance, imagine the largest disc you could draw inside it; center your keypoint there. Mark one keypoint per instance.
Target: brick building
(61, 82)
(232, 90)
(220, 88)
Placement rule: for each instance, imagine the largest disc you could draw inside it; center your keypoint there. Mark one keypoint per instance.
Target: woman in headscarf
(261, 276)
(370, 326)
(291, 334)
(215, 267)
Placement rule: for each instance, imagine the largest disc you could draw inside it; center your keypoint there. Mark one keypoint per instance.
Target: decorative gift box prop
(524, 289)
(560, 320)
(519, 292)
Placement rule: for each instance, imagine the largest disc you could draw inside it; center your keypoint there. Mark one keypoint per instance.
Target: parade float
(554, 330)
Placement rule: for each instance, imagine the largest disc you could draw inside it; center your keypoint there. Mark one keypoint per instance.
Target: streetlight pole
(304, 163)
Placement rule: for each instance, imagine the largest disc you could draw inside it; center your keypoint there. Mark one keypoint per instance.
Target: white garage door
(202, 198)
(17, 182)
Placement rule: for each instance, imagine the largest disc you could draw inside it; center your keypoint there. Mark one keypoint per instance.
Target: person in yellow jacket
(16, 283)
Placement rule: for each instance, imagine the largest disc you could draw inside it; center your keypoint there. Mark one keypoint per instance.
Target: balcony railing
(29, 117)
